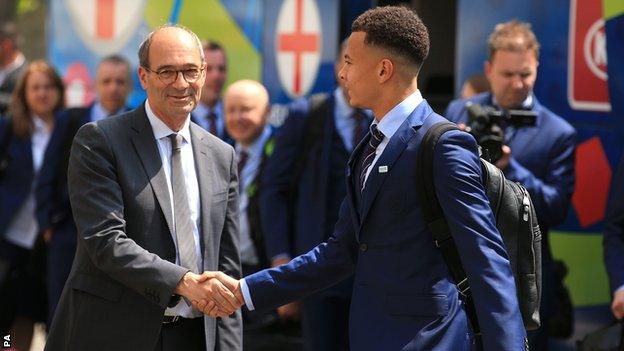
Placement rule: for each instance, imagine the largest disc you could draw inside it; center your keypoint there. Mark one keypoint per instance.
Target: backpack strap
(434, 216)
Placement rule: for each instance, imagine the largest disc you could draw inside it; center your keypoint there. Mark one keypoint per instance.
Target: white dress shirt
(161, 134)
(23, 229)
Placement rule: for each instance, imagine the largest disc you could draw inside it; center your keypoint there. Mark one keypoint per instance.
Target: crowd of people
(140, 224)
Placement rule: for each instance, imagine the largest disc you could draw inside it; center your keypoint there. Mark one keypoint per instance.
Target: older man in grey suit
(155, 202)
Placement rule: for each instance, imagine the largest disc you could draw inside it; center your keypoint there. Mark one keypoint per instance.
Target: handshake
(213, 293)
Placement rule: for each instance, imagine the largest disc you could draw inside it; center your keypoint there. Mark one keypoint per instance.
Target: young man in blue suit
(403, 296)
(540, 157)
(303, 186)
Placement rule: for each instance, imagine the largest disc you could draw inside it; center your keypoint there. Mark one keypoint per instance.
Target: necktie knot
(176, 141)
(212, 122)
(242, 160)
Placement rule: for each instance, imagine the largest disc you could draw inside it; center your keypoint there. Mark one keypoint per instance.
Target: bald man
(246, 108)
(155, 200)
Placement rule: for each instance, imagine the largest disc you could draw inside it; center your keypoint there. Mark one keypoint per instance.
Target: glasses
(168, 76)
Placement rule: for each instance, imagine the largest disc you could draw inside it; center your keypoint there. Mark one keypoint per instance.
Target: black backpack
(515, 219)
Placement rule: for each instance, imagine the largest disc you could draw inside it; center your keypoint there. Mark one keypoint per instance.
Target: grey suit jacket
(124, 273)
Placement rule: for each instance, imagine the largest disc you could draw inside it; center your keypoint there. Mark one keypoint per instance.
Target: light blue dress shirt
(391, 122)
(161, 134)
(202, 110)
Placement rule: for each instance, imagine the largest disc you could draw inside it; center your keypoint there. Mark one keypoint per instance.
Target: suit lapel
(203, 165)
(351, 189)
(145, 146)
(391, 153)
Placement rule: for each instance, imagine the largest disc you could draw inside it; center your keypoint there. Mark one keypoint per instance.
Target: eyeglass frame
(177, 71)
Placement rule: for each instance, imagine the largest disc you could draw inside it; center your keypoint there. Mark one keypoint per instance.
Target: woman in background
(24, 136)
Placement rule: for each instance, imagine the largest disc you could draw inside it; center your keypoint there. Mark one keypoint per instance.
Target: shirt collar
(161, 130)
(202, 109)
(255, 149)
(527, 103)
(100, 112)
(18, 61)
(343, 109)
(399, 113)
(38, 124)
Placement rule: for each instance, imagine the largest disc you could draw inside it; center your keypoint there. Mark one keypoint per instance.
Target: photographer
(539, 156)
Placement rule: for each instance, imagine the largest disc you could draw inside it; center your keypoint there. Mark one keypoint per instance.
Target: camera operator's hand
(463, 127)
(503, 162)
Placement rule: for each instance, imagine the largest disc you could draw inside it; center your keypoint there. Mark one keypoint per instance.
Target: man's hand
(503, 162)
(211, 307)
(291, 311)
(47, 235)
(206, 288)
(617, 307)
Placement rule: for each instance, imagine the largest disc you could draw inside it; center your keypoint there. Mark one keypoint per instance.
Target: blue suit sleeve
(458, 185)
(276, 182)
(551, 195)
(614, 231)
(320, 268)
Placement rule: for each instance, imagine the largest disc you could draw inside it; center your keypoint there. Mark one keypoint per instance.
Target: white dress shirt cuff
(246, 295)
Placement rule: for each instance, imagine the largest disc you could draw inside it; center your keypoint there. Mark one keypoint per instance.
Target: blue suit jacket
(54, 210)
(542, 159)
(19, 176)
(403, 296)
(614, 230)
(295, 231)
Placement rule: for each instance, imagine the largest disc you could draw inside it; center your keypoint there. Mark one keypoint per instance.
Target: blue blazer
(614, 231)
(307, 224)
(403, 296)
(542, 159)
(18, 179)
(54, 210)
(225, 135)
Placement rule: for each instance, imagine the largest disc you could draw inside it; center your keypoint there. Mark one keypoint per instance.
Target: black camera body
(487, 125)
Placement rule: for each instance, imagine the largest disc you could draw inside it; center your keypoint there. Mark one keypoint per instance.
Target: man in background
(209, 112)
(112, 86)
(303, 186)
(540, 157)
(12, 63)
(246, 108)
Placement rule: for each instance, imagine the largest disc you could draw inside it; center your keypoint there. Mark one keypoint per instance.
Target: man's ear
(487, 69)
(385, 70)
(142, 72)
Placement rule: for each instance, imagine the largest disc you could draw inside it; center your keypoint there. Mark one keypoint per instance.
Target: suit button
(363, 247)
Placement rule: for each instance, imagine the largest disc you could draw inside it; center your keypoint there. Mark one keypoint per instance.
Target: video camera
(487, 125)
